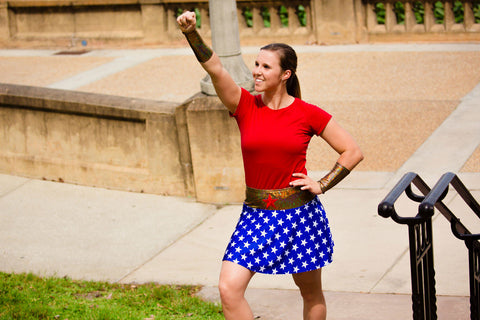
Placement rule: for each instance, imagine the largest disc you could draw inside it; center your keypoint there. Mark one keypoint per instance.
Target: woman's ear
(287, 74)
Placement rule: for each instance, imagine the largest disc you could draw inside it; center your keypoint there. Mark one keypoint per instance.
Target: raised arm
(227, 90)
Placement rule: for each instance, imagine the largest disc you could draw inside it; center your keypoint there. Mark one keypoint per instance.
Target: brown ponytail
(288, 61)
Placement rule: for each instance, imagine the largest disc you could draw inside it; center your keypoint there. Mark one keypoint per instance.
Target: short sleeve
(246, 99)
(317, 118)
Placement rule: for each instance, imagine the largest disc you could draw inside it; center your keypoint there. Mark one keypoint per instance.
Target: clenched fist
(187, 21)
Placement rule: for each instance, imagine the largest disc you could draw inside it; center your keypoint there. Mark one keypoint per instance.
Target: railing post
(474, 275)
(422, 270)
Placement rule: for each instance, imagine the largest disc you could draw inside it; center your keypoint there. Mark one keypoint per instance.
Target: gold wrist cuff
(201, 50)
(333, 177)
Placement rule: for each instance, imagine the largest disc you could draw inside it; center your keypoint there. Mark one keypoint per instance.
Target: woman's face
(267, 72)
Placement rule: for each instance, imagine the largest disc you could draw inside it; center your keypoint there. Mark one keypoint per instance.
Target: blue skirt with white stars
(282, 241)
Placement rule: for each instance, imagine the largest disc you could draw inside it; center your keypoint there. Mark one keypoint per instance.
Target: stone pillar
(154, 22)
(226, 44)
(334, 21)
(4, 23)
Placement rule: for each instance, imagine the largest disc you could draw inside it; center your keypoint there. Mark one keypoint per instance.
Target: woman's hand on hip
(306, 183)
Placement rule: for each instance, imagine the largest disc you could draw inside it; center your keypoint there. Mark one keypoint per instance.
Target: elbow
(358, 156)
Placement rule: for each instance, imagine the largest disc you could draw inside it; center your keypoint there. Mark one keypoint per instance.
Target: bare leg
(233, 282)
(310, 284)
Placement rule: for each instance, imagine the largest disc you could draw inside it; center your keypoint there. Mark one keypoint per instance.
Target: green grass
(26, 296)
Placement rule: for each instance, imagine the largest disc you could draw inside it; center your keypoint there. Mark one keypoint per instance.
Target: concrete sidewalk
(90, 233)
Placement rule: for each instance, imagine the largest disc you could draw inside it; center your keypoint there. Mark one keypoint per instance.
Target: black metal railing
(421, 245)
(433, 199)
(421, 238)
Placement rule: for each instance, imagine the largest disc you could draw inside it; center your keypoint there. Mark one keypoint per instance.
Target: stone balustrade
(422, 20)
(68, 23)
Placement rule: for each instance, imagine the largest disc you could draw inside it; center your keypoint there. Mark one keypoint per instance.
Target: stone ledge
(75, 102)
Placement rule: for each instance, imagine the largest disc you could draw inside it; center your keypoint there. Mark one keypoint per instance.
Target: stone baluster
(257, 19)
(449, 18)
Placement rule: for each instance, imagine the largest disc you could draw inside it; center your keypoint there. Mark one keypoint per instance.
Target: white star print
(281, 241)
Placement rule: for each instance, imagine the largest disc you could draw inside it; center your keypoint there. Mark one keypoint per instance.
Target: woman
(283, 227)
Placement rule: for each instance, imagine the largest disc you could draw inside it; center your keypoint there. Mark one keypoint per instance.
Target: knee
(230, 293)
(311, 291)
(312, 296)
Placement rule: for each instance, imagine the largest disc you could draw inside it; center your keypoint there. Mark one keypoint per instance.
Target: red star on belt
(269, 202)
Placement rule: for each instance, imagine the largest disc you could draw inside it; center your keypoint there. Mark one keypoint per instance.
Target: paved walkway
(90, 233)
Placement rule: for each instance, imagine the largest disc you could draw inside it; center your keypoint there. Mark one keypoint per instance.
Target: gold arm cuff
(200, 49)
(333, 177)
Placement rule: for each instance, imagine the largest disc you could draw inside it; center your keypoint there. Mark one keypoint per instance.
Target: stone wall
(122, 143)
(90, 139)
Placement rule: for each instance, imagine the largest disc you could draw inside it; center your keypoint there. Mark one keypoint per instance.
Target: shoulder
(247, 101)
(311, 110)
(316, 119)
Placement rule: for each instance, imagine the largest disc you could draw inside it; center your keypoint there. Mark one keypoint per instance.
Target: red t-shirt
(274, 142)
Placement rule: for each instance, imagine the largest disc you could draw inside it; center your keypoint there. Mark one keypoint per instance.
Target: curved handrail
(438, 193)
(386, 208)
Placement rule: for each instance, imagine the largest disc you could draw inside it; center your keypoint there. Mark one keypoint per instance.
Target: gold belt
(277, 199)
